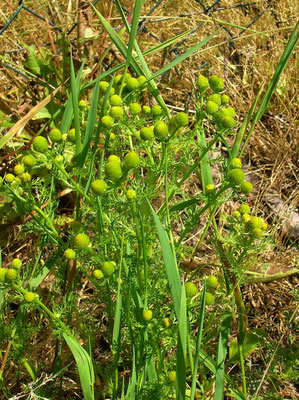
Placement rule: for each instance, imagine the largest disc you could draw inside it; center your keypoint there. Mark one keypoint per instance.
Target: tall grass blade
(181, 349)
(243, 128)
(153, 50)
(221, 354)
(274, 81)
(136, 14)
(75, 85)
(171, 267)
(85, 367)
(91, 119)
(198, 341)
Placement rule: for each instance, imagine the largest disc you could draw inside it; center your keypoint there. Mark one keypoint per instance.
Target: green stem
(242, 369)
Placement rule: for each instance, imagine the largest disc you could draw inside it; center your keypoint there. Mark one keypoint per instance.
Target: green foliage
(123, 165)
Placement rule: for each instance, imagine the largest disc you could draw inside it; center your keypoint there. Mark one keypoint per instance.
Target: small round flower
(26, 177)
(107, 121)
(83, 104)
(113, 158)
(98, 274)
(135, 108)
(29, 161)
(112, 136)
(108, 268)
(244, 208)
(71, 136)
(215, 98)
(212, 281)
(59, 158)
(245, 218)
(115, 100)
(255, 222)
(116, 112)
(228, 122)
(235, 163)
(265, 226)
(229, 111)
(146, 110)
(55, 135)
(147, 315)
(131, 194)
(9, 178)
(202, 83)
(166, 322)
(236, 176)
(132, 84)
(209, 298)
(210, 188)
(81, 241)
(156, 110)
(29, 297)
(224, 99)
(236, 214)
(246, 187)
(118, 79)
(113, 170)
(16, 264)
(256, 233)
(131, 160)
(181, 119)
(104, 86)
(11, 274)
(40, 144)
(216, 83)
(146, 133)
(141, 79)
(69, 254)
(161, 130)
(99, 186)
(19, 169)
(172, 376)
(191, 289)
(211, 108)
(3, 272)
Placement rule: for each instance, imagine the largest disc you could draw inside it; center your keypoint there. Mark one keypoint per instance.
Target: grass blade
(221, 354)
(181, 349)
(198, 341)
(170, 264)
(274, 81)
(85, 367)
(243, 128)
(91, 119)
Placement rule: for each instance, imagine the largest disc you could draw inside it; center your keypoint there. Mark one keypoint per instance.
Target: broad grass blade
(221, 354)
(85, 367)
(170, 264)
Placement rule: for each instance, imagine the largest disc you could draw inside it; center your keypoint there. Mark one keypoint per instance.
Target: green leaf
(170, 264)
(198, 339)
(253, 340)
(85, 367)
(221, 355)
(181, 349)
(32, 61)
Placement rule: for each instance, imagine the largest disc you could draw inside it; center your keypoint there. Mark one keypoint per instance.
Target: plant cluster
(115, 157)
